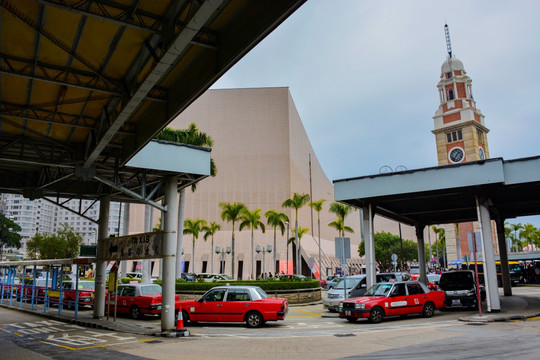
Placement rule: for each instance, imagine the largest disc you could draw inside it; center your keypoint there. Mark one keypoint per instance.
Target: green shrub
(125, 280)
(263, 284)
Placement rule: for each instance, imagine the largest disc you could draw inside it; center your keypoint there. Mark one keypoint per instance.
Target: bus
(516, 271)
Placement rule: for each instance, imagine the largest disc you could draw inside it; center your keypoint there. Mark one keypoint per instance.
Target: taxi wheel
(351, 319)
(429, 310)
(254, 320)
(376, 315)
(135, 312)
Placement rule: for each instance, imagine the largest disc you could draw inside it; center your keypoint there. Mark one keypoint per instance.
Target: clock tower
(459, 129)
(460, 135)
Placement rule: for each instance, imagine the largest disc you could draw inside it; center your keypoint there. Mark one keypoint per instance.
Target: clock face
(482, 154)
(456, 155)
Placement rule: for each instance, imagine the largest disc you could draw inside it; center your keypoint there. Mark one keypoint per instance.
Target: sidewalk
(514, 307)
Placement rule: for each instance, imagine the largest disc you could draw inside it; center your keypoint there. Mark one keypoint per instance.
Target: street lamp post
(268, 249)
(222, 252)
(287, 247)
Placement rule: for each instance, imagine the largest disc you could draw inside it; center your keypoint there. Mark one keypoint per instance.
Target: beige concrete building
(262, 154)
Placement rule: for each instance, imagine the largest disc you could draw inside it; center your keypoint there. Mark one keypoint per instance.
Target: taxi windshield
(350, 283)
(379, 290)
(150, 290)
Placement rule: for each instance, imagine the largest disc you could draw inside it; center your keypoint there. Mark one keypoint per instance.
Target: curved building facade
(263, 156)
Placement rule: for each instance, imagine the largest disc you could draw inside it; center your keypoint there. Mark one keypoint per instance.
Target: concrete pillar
(369, 245)
(421, 252)
(101, 265)
(490, 272)
(125, 231)
(170, 223)
(503, 251)
(180, 234)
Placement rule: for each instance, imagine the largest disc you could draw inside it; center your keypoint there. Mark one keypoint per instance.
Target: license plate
(456, 302)
(347, 313)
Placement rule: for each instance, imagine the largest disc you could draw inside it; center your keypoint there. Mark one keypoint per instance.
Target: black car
(460, 289)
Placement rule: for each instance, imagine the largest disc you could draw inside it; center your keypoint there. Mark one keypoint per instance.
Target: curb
(499, 319)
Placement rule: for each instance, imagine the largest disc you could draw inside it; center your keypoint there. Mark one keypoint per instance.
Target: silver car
(337, 293)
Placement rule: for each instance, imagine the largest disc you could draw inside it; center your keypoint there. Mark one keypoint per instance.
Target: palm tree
(515, 228)
(210, 230)
(297, 235)
(231, 213)
(527, 234)
(341, 211)
(276, 219)
(441, 241)
(194, 227)
(317, 206)
(296, 202)
(253, 220)
(340, 227)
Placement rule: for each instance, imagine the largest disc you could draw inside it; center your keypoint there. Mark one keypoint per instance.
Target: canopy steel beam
(98, 9)
(167, 60)
(130, 193)
(51, 37)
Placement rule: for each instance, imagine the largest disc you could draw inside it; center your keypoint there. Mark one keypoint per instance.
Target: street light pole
(287, 247)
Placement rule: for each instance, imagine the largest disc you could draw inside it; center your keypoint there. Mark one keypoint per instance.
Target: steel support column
(369, 245)
(488, 253)
(180, 235)
(503, 252)
(169, 253)
(421, 252)
(101, 265)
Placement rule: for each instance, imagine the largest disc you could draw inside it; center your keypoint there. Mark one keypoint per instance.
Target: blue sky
(363, 76)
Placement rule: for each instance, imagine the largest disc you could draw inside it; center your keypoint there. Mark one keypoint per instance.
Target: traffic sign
(138, 246)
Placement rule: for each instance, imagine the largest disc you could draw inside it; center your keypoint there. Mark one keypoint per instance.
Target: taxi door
(417, 297)
(237, 305)
(398, 301)
(210, 306)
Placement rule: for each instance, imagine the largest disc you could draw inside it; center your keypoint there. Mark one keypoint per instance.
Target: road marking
(304, 312)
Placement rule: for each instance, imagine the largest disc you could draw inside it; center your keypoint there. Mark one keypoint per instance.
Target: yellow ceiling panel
(14, 34)
(95, 42)
(13, 89)
(127, 50)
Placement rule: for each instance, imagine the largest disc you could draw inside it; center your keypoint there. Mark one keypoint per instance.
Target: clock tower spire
(459, 129)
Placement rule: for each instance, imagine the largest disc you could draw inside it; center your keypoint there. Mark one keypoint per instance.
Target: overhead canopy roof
(447, 194)
(84, 85)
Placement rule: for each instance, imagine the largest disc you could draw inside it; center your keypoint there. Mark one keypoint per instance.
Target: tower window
(454, 136)
(448, 75)
(450, 94)
(480, 135)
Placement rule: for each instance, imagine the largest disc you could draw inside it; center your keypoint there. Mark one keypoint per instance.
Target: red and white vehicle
(69, 293)
(137, 300)
(395, 298)
(249, 304)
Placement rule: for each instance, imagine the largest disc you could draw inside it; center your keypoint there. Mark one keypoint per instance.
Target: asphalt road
(305, 334)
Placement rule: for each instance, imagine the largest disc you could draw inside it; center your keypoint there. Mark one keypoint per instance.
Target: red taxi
(137, 300)
(69, 293)
(249, 304)
(395, 298)
(31, 286)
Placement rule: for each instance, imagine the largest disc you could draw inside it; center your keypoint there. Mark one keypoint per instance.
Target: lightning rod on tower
(448, 44)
